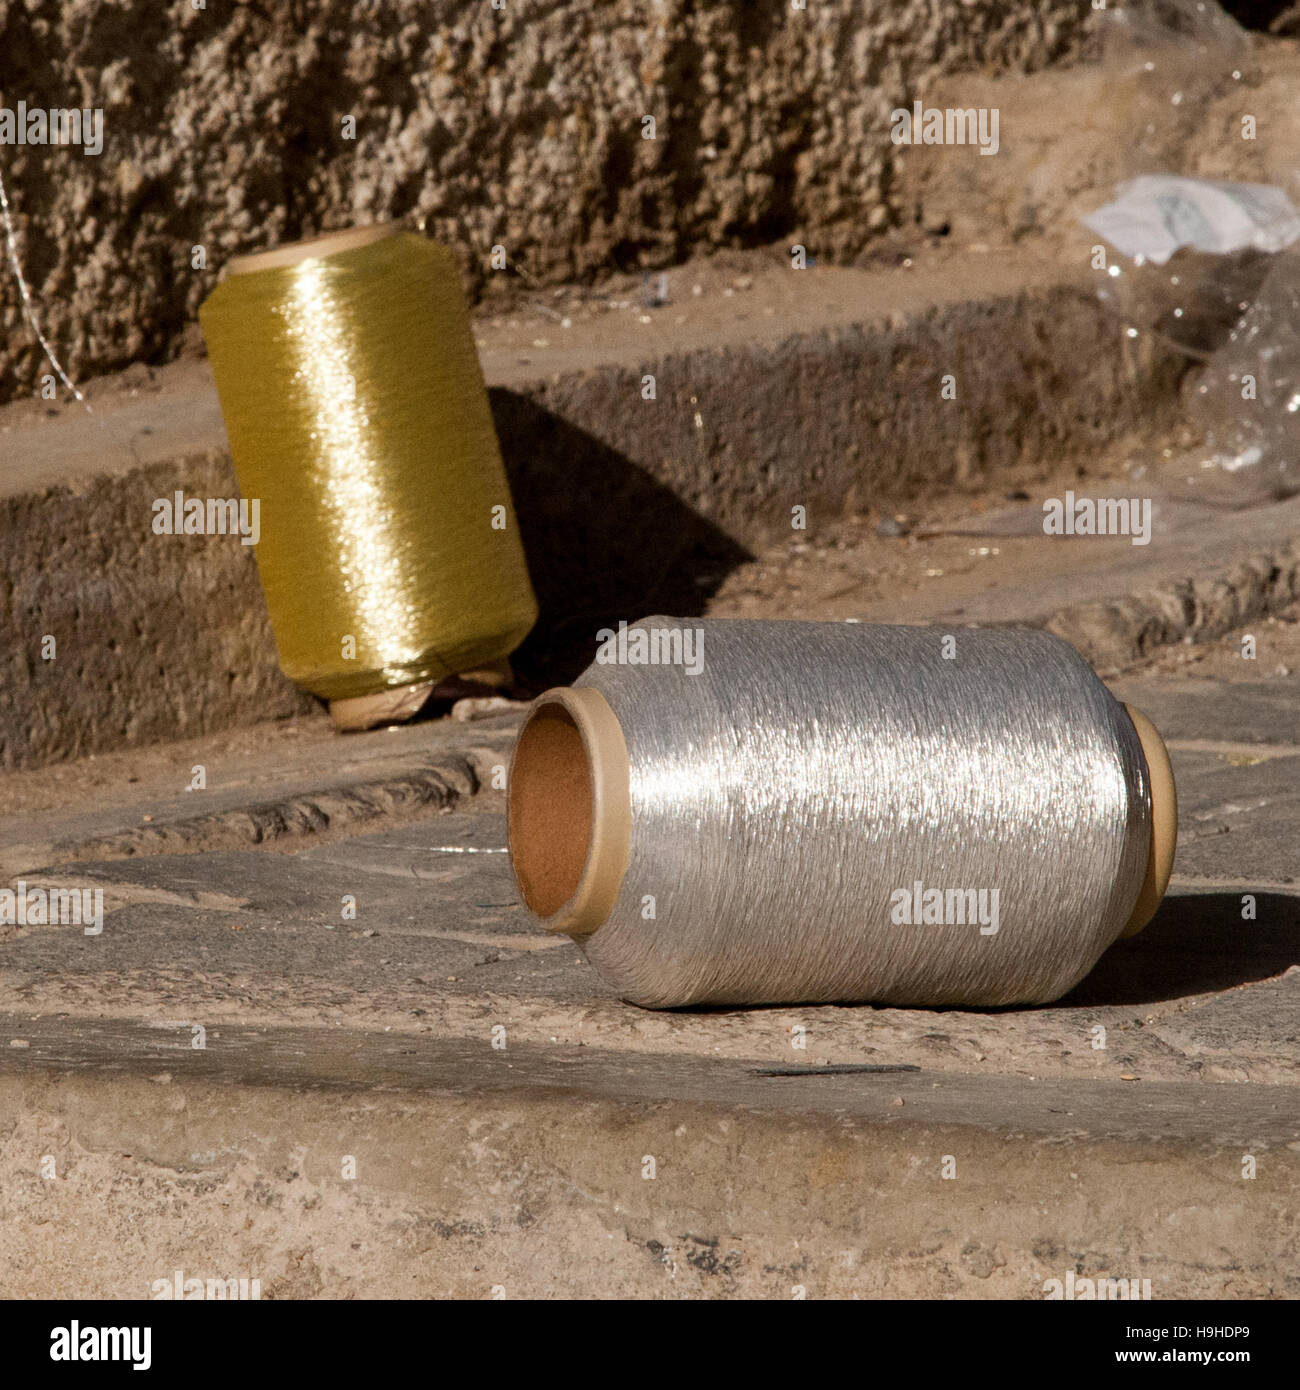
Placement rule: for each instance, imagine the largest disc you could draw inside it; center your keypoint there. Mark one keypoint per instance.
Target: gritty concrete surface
(1202, 573)
(819, 389)
(521, 1166)
(469, 1174)
(520, 126)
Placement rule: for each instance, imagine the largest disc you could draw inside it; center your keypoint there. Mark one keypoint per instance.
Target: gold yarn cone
(356, 412)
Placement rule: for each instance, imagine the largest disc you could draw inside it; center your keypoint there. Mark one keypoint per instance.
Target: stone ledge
(163, 637)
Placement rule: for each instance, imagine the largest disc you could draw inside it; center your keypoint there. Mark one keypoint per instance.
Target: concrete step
(499, 1107)
(364, 1166)
(818, 388)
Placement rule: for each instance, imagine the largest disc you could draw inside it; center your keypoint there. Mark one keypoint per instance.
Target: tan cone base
(405, 702)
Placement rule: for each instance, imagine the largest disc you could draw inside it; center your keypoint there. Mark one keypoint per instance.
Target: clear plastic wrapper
(1209, 267)
(1244, 406)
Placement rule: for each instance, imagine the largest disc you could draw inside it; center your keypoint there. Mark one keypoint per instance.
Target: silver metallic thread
(781, 795)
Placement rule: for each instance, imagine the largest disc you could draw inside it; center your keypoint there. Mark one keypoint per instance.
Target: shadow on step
(605, 541)
(1195, 944)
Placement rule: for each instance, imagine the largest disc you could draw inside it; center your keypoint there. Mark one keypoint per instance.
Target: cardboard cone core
(394, 706)
(569, 812)
(329, 244)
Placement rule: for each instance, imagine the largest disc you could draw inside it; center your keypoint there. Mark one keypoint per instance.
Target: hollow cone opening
(569, 810)
(550, 806)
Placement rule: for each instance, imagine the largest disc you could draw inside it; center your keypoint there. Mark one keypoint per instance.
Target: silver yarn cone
(784, 795)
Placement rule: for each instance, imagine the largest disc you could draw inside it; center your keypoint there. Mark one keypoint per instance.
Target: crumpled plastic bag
(1155, 215)
(1231, 299)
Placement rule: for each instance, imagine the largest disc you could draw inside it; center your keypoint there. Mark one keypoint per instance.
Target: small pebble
(483, 707)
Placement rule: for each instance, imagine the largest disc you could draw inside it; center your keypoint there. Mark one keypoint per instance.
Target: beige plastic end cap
(1164, 823)
(569, 816)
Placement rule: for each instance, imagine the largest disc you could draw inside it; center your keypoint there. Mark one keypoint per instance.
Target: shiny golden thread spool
(356, 412)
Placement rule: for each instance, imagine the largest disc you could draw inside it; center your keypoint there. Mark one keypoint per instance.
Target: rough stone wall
(519, 126)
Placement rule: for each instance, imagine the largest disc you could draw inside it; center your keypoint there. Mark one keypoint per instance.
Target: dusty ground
(951, 542)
